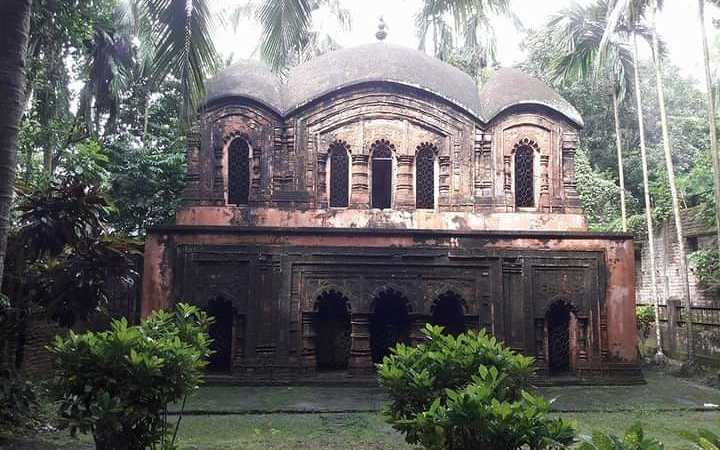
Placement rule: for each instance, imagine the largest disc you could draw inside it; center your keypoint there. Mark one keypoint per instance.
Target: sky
(677, 25)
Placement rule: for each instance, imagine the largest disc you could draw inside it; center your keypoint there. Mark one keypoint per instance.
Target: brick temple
(373, 190)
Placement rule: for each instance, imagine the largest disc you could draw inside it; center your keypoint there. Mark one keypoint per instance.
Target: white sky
(677, 24)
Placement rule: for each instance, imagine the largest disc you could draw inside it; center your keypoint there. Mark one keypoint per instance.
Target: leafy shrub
(706, 264)
(17, 399)
(467, 392)
(702, 439)
(634, 439)
(117, 384)
(645, 315)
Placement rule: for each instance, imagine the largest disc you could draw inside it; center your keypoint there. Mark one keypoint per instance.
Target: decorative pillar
(309, 356)
(483, 170)
(359, 193)
(322, 198)
(572, 198)
(544, 203)
(191, 193)
(404, 195)
(417, 323)
(540, 346)
(444, 180)
(360, 354)
(507, 183)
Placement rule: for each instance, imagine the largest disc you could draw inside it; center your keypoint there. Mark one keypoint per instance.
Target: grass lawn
(360, 431)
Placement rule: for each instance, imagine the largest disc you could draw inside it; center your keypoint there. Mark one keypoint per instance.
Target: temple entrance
(558, 341)
(389, 323)
(448, 312)
(221, 333)
(332, 337)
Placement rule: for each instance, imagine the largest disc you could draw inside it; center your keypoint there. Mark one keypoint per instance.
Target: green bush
(467, 392)
(645, 315)
(634, 439)
(17, 399)
(706, 264)
(117, 384)
(702, 439)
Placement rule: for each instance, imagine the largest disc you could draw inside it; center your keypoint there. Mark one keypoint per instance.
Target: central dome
(387, 63)
(380, 62)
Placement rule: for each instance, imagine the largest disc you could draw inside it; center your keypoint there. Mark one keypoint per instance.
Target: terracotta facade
(282, 257)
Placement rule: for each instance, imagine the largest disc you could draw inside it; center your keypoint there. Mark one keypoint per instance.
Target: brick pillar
(671, 334)
(360, 355)
(359, 191)
(308, 337)
(417, 323)
(404, 195)
(544, 202)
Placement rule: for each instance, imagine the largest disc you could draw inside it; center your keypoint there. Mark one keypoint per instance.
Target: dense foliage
(18, 400)
(117, 384)
(467, 392)
(633, 439)
(645, 316)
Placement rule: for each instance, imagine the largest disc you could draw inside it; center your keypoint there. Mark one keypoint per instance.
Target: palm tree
(633, 11)
(579, 31)
(711, 114)
(673, 186)
(14, 34)
(287, 36)
(624, 16)
(472, 21)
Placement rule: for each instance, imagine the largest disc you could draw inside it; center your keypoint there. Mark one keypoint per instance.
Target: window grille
(339, 166)
(524, 177)
(238, 172)
(425, 177)
(381, 175)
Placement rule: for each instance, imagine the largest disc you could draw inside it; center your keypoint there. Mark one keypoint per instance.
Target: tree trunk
(14, 32)
(673, 189)
(618, 144)
(648, 205)
(711, 117)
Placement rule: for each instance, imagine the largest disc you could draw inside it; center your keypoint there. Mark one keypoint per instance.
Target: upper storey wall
(474, 166)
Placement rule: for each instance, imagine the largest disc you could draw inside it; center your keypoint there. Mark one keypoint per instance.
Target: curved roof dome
(511, 87)
(247, 79)
(382, 62)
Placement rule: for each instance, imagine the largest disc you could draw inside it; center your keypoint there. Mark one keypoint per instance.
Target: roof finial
(381, 33)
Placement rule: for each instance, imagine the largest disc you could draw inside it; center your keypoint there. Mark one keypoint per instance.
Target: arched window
(238, 172)
(449, 313)
(381, 174)
(339, 167)
(524, 175)
(425, 177)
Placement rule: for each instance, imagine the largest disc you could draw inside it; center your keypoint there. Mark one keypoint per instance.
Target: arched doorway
(558, 320)
(221, 333)
(389, 323)
(332, 336)
(449, 313)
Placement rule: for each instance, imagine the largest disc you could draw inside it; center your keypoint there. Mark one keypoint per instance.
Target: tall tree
(673, 185)
(579, 30)
(711, 114)
(462, 25)
(14, 33)
(627, 15)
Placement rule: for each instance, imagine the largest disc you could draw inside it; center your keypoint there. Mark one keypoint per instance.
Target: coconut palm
(287, 36)
(633, 12)
(711, 113)
(471, 21)
(578, 30)
(582, 32)
(14, 35)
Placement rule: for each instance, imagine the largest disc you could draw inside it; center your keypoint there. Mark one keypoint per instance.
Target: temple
(332, 214)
